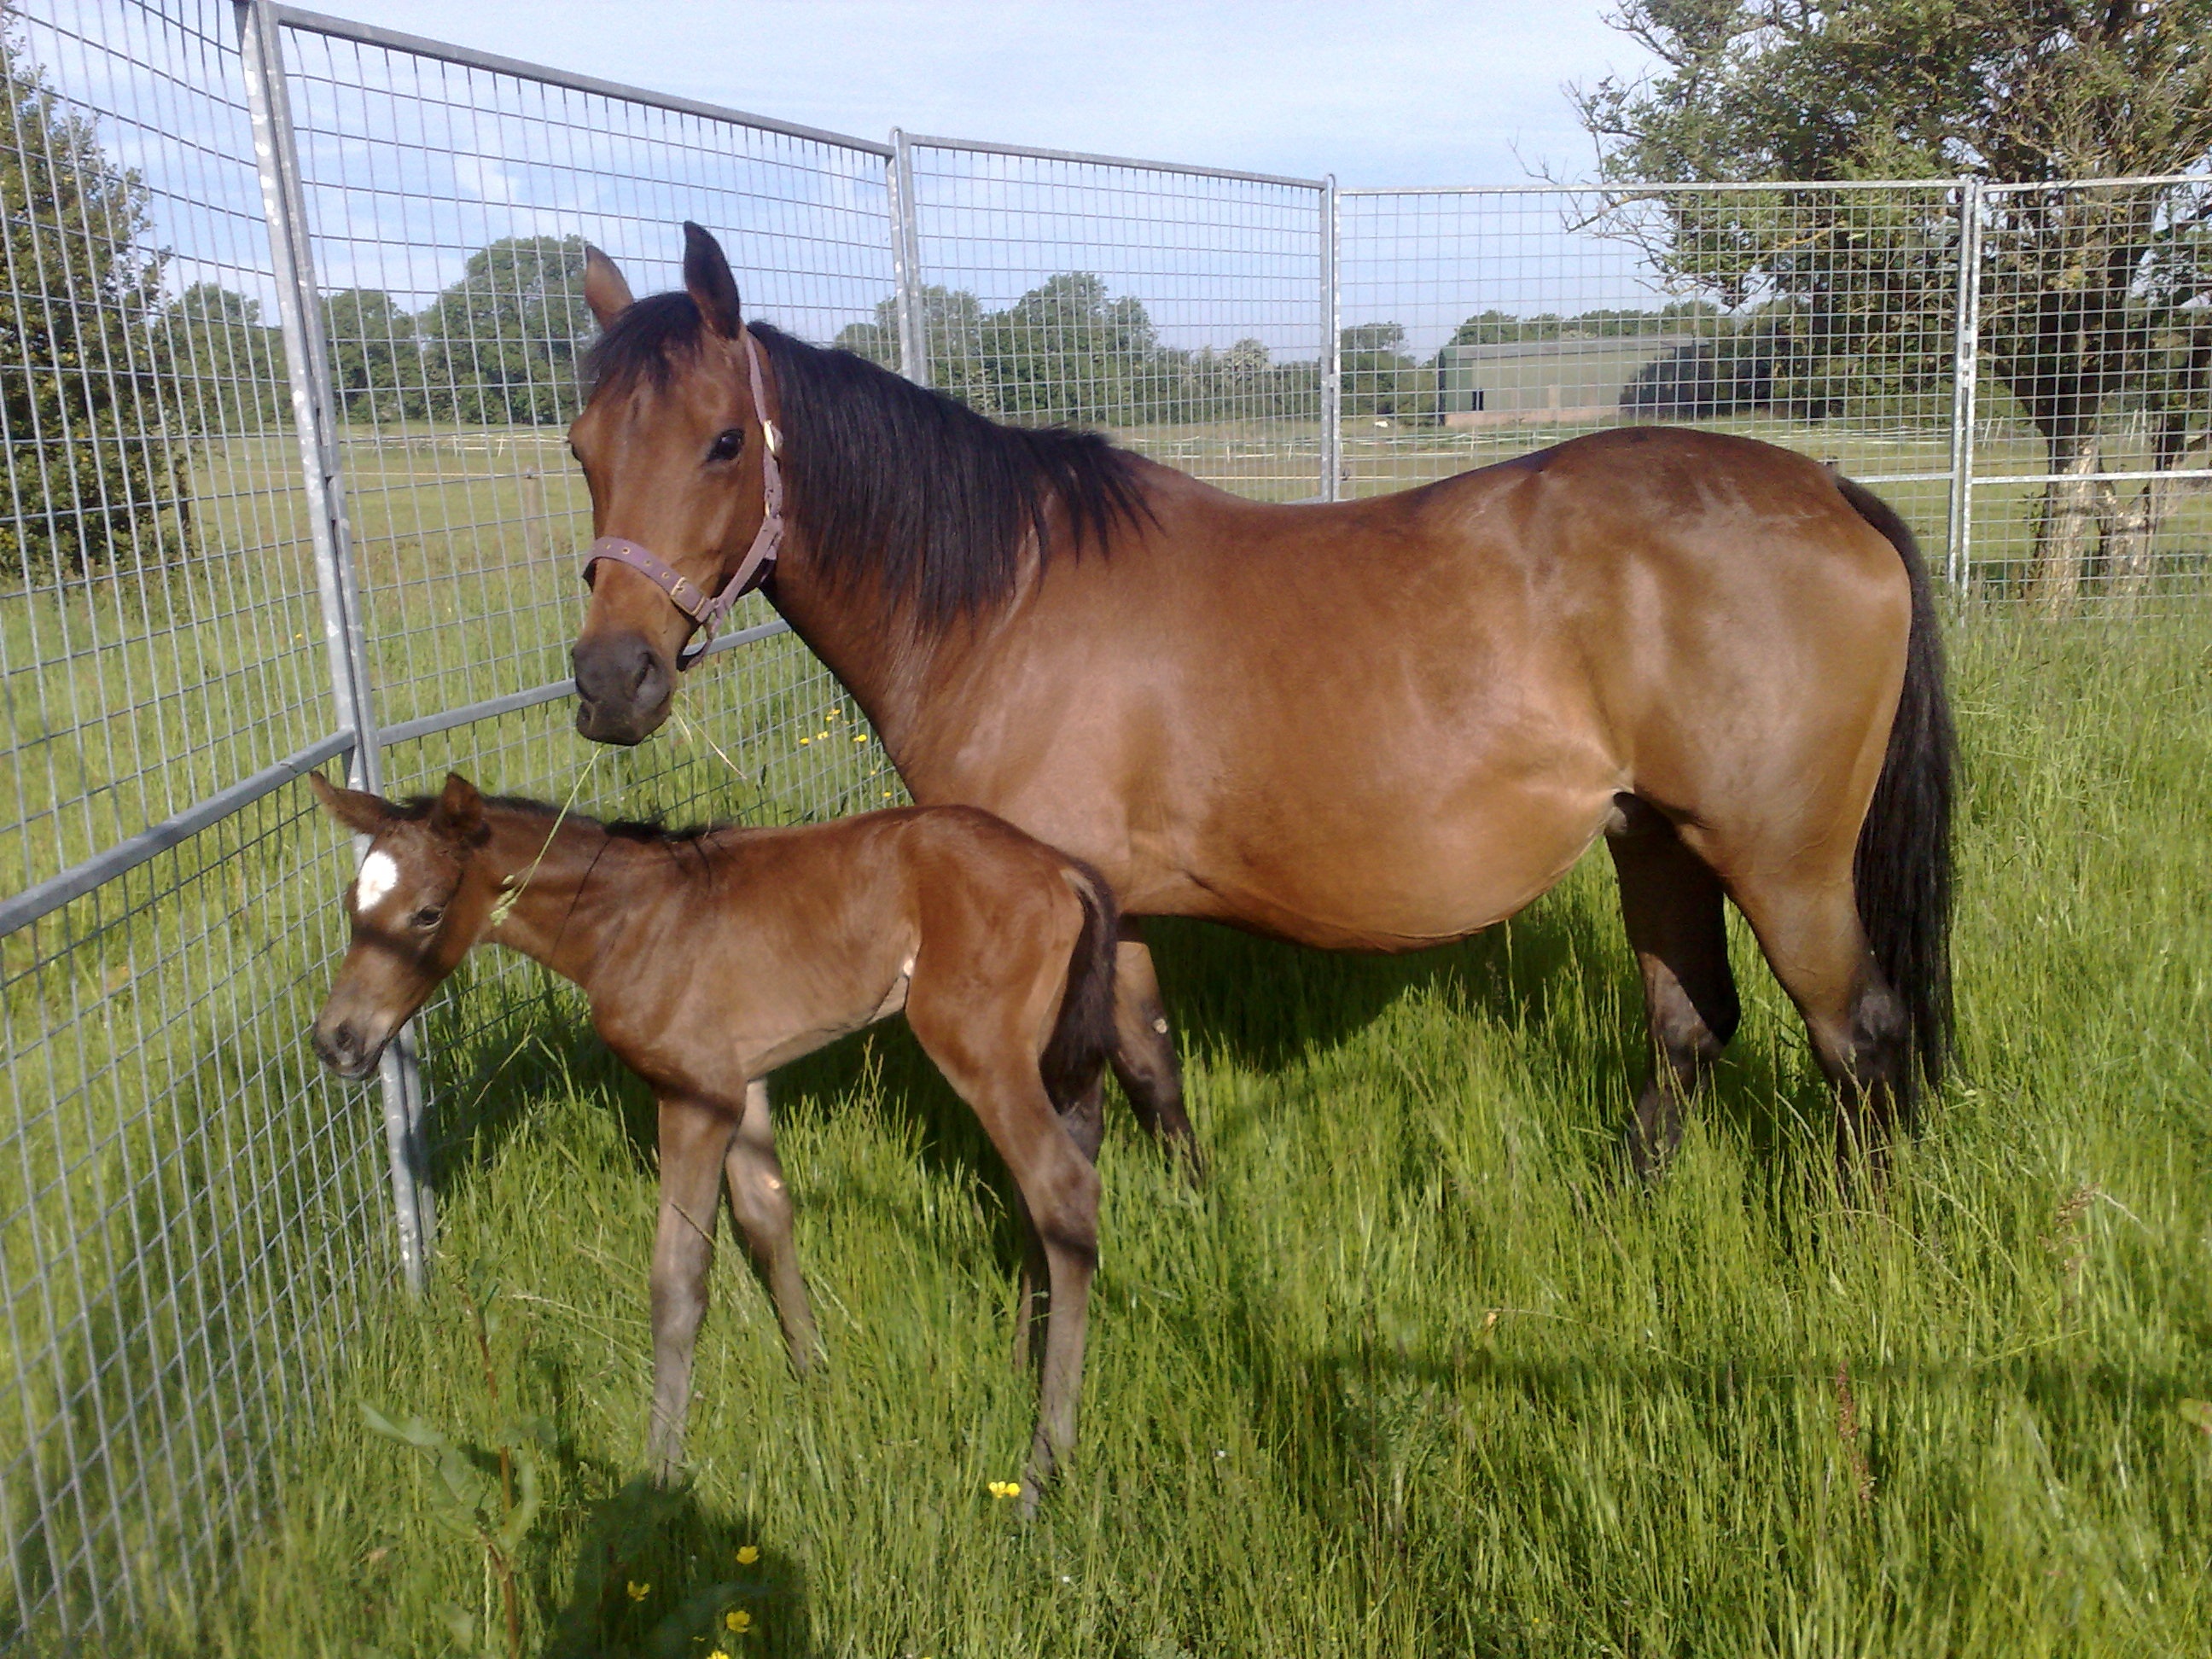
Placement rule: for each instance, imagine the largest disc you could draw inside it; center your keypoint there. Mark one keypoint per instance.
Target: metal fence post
(906, 264)
(1332, 350)
(314, 416)
(1965, 351)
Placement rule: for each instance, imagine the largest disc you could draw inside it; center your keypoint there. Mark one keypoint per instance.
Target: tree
(1065, 351)
(1379, 379)
(376, 361)
(2093, 306)
(500, 346)
(225, 366)
(95, 477)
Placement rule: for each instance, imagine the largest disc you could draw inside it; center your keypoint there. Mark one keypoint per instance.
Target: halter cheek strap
(754, 568)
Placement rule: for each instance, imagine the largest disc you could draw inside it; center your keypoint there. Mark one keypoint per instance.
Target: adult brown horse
(1370, 724)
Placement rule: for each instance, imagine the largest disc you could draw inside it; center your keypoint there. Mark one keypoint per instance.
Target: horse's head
(677, 446)
(422, 898)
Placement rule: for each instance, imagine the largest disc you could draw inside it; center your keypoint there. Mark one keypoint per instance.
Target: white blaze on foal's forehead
(379, 875)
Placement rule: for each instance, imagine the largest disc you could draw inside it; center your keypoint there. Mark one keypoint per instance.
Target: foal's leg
(1672, 902)
(987, 1057)
(763, 1206)
(1145, 1054)
(1085, 1120)
(695, 1134)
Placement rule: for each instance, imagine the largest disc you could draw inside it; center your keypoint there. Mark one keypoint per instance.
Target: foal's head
(422, 898)
(671, 445)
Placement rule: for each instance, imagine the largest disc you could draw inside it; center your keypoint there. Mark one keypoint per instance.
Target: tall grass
(1417, 1372)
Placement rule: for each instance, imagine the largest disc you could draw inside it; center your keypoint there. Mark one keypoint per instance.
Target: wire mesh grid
(449, 204)
(153, 579)
(1179, 309)
(1480, 323)
(2092, 443)
(182, 1199)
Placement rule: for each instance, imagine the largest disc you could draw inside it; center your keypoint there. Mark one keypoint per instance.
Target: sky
(1413, 92)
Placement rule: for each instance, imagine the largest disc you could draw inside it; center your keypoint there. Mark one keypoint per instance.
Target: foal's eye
(426, 918)
(726, 444)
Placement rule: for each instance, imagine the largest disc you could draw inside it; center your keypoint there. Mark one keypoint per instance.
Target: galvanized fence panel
(449, 196)
(2091, 434)
(1480, 323)
(185, 1204)
(1179, 308)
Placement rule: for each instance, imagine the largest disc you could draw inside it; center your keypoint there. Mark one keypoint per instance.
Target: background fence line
(298, 310)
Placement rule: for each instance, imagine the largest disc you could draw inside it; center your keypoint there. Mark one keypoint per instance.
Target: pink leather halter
(756, 568)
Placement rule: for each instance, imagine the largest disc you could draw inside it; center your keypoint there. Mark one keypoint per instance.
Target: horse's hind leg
(1144, 1055)
(1808, 923)
(993, 1064)
(1673, 905)
(761, 1205)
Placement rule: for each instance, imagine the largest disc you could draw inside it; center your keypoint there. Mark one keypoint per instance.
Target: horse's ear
(459, 811)
(604, 290)
(707, 279)
(362, 813)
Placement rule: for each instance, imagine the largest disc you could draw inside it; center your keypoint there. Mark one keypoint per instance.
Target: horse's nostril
(644, 671)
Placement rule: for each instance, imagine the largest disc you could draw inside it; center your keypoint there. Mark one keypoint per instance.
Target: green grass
(1416, 1373)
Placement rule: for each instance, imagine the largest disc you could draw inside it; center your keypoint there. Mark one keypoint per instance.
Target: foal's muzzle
(623, 689)
(346, 1048)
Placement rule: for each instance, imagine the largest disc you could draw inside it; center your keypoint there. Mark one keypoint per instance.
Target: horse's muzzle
(345, 1048)
(623, 689)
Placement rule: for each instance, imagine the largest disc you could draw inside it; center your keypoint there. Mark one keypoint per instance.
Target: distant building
(1557, 381)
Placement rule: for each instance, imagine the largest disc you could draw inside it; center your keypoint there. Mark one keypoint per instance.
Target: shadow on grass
(658, 1574)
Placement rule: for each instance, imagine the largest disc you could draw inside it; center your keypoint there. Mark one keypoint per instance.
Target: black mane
(898, 483)
(639, 829)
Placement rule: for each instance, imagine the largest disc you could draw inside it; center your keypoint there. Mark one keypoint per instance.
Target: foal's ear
(459, 810)
(604, 290)
(707, 279)
(362, 813)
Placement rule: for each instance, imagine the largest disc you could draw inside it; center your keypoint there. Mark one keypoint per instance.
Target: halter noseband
(756, 568)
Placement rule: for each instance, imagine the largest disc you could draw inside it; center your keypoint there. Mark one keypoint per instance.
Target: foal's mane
(897, 482)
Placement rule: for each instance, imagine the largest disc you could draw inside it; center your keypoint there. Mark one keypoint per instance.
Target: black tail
(1902, 870)
(1084, 1034)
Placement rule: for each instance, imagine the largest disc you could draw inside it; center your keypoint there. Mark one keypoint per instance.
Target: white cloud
(1415, 92)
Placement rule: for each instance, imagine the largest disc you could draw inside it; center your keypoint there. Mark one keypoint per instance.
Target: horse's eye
(726, 444)
(427, 917)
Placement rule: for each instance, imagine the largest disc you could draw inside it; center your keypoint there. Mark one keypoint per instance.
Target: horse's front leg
(1145, 1054)
(695, 1138)
(762, 1204)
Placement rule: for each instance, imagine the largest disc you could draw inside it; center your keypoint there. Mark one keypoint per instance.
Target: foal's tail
(1082, 1035)
(1902, 871)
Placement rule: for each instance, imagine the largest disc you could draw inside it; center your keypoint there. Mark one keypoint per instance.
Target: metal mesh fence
(1180, 309)
(1481, 324)
(283, 435)
(2092, 419)
(183, 1199)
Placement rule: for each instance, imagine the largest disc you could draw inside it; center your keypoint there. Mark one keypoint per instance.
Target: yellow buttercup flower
(740, 1621)
(638, 1592)
(747, 1554)
(863, 738)
(1005, 1488)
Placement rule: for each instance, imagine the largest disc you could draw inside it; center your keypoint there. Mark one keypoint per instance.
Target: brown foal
(711, 958)
(1378, 724)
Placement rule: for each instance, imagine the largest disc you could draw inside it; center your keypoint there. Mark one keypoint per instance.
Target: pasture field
(1416, 1372)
